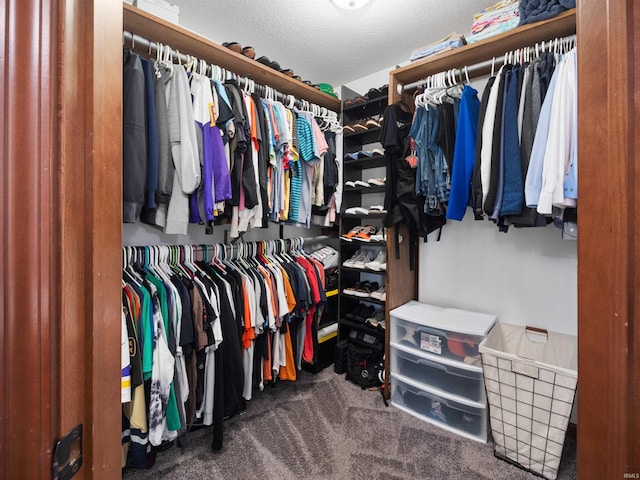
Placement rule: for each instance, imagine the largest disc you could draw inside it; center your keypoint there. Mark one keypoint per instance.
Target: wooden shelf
(364, 215)
(357, 244)
(526, 35)
(356, 298)
(364, 270)
(366, 109)
(361, 190)
(363, 163)
(178, 38)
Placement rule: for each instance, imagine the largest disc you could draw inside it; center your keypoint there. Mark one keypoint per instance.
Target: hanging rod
(483, 68)
(286, 99)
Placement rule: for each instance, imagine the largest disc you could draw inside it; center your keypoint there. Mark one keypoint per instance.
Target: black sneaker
(351, 315)
(365, 313)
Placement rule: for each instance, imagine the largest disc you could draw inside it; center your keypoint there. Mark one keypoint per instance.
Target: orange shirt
(288, 372)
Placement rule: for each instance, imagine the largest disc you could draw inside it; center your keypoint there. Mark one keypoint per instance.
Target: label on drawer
(430, 343)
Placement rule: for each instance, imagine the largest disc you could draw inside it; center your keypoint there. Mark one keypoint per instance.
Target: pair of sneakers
(362, 289)
(358, 260)
(361, 233)
(361, 313)
(378, 264)
(377, 319)
(380, 294)
(364, 233)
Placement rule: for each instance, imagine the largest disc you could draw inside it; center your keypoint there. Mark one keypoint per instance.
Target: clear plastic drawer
(466, 419)
(448, 332)
(454, 377)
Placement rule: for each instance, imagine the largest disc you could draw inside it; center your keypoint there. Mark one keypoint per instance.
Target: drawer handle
(430, 363)
(433, 398)
(432, 331)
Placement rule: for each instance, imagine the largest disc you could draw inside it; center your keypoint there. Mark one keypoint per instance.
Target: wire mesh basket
(530, 377)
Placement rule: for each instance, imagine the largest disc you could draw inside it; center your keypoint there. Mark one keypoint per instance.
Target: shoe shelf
(357, 244)
(364, 215)
(363, 270)
(369, 162)
(361, 326)
(361, 299)
(371, 135)
(361, 142)
(369, 189)
(373, 106)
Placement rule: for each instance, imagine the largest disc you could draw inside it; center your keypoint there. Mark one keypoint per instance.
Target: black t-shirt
(401, 178)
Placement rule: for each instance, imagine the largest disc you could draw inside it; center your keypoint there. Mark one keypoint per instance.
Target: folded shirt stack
(451, 41)
(498, 18)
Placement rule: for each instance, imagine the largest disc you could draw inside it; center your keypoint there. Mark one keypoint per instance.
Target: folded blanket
(537, 10)
(451, 41)
(494, 30)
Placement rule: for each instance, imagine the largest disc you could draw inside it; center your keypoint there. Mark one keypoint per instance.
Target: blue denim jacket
(436, 172)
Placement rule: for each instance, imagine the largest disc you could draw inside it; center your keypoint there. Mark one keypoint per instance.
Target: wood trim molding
(634, 344)
(89, 219)
(609, 245)
(27, 264)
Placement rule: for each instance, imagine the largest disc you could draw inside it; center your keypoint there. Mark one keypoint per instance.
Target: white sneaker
(379, 263)
(379, 294)
(349, 236)
(350, 184)
(361, 183)
(349, 262)
(377, 318)
(377, 209)
(380, 235)
(361, 261)
(356, 211)
(376, 181)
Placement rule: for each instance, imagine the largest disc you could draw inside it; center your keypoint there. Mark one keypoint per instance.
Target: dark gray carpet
(324, 427)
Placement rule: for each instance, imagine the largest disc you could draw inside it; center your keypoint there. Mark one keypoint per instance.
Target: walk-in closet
(330, 239)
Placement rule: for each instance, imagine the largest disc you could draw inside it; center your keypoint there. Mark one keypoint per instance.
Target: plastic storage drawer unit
(448, 332)
(450, 376)
(465, 418)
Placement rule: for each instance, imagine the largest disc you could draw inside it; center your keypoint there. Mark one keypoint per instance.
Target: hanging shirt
(464, 154)
(203, 116)
(184, 151)
(134, 138)
(533, 181)
(512, 198)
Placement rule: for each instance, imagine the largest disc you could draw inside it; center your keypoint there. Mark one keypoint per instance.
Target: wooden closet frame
(400, 286)
(608, 329)
(60, 248)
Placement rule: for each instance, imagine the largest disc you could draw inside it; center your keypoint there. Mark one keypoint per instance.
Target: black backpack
(365, 358)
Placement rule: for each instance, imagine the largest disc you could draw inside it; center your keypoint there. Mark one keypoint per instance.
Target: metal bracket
(67, 456)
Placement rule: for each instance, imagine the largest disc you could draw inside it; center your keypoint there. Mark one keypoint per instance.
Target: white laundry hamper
(530, 377)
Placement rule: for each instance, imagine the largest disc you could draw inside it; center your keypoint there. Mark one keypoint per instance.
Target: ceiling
(323, 43)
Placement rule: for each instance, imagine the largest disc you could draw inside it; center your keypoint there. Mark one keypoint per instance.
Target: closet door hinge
(67, 456)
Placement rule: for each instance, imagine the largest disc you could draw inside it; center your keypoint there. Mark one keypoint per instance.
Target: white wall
(527, 276)
(374, 80)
